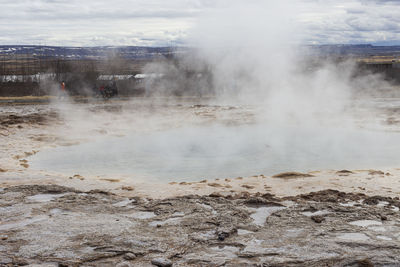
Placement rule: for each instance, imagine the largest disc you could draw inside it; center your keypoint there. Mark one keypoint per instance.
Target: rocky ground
(326, 218)
(60, 226)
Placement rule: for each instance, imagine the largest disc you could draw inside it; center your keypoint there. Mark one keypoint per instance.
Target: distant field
(29, 65)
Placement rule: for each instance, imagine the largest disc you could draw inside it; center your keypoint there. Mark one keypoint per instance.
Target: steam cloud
(252, 54)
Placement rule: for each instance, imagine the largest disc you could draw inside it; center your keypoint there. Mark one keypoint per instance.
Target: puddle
(143, 215)
(124, 203)
(254, 246)
(171, 221)
(178, 214)
(377, 228)
(261, 214)
(44, 197)
(319, 212)
(294, 232)
(226, 251)
(385, 238)
(244, 232)
(365, 223)
(349, 204)
(57, 211)
(382, 204)
(215, 151)
(23, 223)
(354, 236)
(204, 236)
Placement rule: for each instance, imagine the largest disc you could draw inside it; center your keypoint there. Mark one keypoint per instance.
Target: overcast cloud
(160, 22)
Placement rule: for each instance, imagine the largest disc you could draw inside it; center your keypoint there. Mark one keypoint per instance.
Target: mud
(62, 226)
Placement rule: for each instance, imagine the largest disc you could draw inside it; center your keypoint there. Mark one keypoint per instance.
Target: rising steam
(253, 53)
(249, 55)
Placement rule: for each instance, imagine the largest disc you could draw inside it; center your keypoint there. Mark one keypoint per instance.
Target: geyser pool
(215, 151)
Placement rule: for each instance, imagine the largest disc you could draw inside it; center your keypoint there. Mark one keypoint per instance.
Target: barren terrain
(318, 218)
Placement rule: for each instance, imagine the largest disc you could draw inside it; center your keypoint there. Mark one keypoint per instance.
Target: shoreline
(370, 182)
(330, 217)
(33, 128)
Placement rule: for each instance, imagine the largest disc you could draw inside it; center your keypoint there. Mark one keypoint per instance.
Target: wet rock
(127, 188)
(365, 263)
(197, 230)
(317, 218)
(129, 256)
(161, 262)
(225, 232)
(20, 262)
(80, 177)
(241, 195)
(124, 264)
(214, 185)
(374, 200)
(98, 191)
(373, 172)
(25, 165)
(292, 175)
(328, 195)
(215, 195)
(4, 260)
(247, 186)
(37, 189)
(344, 173)
(269, 196)
(259, 202)
(222, 235)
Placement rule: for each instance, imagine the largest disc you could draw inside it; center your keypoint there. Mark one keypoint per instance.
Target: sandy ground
(351, 219)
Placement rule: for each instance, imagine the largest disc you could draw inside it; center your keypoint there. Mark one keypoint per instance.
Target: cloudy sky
(160, 22)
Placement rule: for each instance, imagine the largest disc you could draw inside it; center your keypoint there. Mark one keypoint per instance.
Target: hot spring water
(208, 152)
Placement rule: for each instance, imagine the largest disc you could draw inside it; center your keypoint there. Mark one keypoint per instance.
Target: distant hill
(140, 52)
(357, 50)
(128, 52)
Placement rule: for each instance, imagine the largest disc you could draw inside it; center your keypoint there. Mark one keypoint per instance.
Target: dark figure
(114, 88)
(62, 93)
(109, 90)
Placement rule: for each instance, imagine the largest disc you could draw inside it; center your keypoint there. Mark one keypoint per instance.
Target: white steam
(254, 54)
(249, 54)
